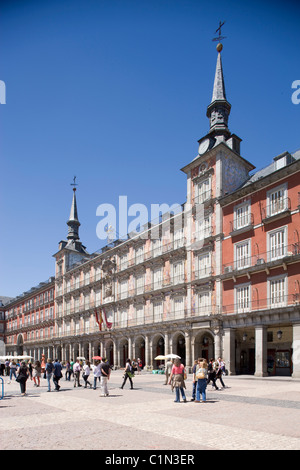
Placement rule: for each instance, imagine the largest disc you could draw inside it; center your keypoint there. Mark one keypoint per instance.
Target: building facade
(30, 321)
(191, 284)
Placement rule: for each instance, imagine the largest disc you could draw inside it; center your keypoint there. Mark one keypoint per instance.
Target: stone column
(261, 351)
(296, 351)
(188, 351)
(147, 356)
(229, 350)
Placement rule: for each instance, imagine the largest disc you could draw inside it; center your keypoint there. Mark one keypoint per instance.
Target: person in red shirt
(178, 372)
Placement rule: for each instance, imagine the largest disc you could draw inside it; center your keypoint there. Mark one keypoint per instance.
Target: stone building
(169, 288)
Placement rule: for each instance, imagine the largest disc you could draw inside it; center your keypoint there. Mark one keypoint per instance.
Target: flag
(98, 320)
(108, 324)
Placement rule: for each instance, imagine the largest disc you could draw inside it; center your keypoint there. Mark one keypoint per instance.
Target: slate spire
(73, 222)
(219, 108)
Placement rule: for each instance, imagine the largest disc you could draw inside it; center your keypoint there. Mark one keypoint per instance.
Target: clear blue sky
(115, 92)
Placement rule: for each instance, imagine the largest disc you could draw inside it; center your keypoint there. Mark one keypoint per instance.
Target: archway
(204, 346)
(139, 351)
(158, 349)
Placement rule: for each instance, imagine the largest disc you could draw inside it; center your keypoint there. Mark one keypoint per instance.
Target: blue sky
(115, 92)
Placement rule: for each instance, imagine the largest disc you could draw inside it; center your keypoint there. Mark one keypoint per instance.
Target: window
(242, 255)
(178, 238)
(203, 228)
(157, 278)
(157, 247)
(123, 289)
(123, 317)
(139, 313)
(139, 283)
(178, 272)
(139, 254)
(178, 307)
(242, 298)
(123, 261)
(204, 265)
(203, 191)
(277, 292)
(242, 216)
(204, 303)
(277, 200)
(97, 297)
(157, 311)
(277, 244)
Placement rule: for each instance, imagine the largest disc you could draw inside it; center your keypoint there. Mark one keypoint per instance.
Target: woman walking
(128, 374)
(85, 374)
(178, 372)
(201, 376)
(23, 374)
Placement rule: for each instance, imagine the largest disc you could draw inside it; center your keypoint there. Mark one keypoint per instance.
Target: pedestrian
(30, 369)
(128, 374)
(68, 371)
(76, 371)
(57, 374)
(140, 365)
(201, 376)
(176, 380)
(2, 368)
(12, 370)
(97, 373)
(194, 380)
(49, 371)
(7, 369)
(211, 374)
(37, 371)
(85, 374)
(71, 368)
(168, 369)
(105, 374)
(23, 374)
(219, 371)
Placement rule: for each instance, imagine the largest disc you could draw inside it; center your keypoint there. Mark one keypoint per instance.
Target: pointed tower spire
(73, 222)
(219, 109)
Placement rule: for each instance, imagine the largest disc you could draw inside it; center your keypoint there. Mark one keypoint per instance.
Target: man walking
(57, 375)
(105, 374)
(76, 371)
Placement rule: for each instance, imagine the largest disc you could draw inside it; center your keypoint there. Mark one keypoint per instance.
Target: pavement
(249, 414)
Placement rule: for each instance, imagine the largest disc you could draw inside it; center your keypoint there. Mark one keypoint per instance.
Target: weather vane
(219, 38)
(74, 184)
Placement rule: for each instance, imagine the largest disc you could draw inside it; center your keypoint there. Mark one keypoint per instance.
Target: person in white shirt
(85, 374)
(76, 370)
(97, 373)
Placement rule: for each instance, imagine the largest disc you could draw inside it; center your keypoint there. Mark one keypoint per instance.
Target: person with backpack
(128, 374)
(201, 376)
(23, 374)
(57, 374)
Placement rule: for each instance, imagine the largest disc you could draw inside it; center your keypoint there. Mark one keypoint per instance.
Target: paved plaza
(249, 414)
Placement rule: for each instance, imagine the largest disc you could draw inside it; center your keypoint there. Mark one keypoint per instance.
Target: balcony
(275, 257)
(241, 224)
(277, 301)
(203, 198)
(276, 210)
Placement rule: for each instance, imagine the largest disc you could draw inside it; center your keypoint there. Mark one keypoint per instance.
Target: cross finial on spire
(74, 184)
(219, 38)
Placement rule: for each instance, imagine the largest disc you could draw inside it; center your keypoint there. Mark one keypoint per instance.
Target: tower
(71, 251)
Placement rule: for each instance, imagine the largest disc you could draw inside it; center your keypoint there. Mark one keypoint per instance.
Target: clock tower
(71, 251)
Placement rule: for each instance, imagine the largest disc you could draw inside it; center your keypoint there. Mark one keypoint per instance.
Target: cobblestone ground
(249, 414)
